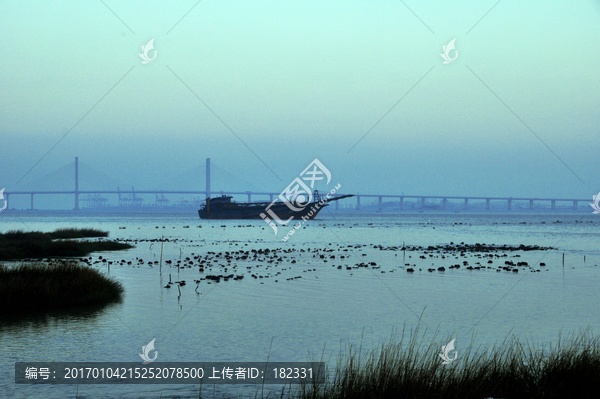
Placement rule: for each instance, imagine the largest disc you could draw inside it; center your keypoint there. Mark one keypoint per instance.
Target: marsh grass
(60, 285)
(408, 367)
(21, 245)
(78, 233)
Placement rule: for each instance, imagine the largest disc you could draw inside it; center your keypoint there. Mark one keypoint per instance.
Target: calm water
(291, 320)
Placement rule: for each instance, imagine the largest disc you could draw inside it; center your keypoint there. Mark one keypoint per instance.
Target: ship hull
(254, 212)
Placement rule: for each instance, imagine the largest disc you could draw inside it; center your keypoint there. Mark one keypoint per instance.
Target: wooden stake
(161, 251)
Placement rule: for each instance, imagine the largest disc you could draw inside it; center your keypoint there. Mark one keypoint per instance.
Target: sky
(265, 87)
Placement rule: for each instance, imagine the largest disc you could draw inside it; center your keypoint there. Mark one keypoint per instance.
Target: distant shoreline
(365, 210)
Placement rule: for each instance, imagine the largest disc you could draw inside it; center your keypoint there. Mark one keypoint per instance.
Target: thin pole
(161, 251)
(76, 183)
(208, 178)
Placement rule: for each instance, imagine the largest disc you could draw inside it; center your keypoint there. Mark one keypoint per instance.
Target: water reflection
(43, 320)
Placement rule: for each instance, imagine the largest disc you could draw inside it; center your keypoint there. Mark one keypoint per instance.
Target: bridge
(420, 199)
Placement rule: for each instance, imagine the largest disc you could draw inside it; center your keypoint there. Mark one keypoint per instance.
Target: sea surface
(303, 304)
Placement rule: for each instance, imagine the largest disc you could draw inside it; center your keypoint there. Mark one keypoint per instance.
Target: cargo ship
(224, 207)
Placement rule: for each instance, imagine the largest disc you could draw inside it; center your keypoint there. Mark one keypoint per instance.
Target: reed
(78, 233)
(409, 368)
(40, 287)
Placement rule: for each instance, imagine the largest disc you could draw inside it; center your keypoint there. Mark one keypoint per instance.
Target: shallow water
(291, 320)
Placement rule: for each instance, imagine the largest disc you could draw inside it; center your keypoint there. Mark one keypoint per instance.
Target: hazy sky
(297, 81)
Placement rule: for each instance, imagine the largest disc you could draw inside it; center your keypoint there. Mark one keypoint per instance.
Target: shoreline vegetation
(19, 245)
(34, 285)
(408, 368)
